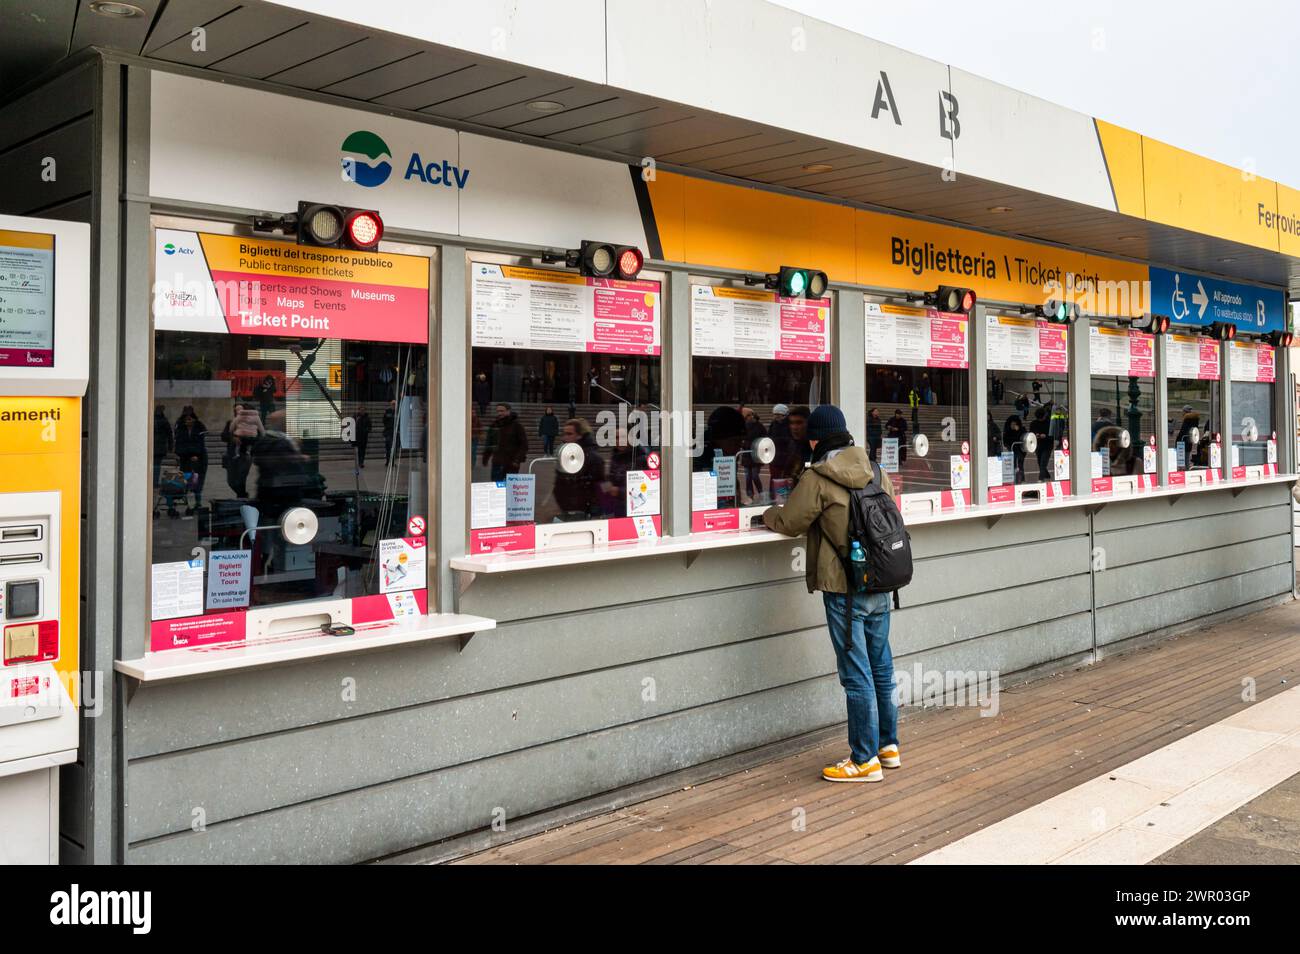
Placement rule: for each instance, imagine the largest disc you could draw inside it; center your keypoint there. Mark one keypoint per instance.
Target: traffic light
(951, 299)
(1156, 324)
(601, 260)
(336, 226)
(1280, 339)
(1222, 330)
(327, 226)
(1058, 311)
(791, 282)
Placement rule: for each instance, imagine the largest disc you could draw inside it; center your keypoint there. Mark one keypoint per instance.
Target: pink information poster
(230, 284)
(1192, 356)
(1027, 344)
(1251, 361)
(755, 323)
(546, 309)
(1121, 352)
(919, 337)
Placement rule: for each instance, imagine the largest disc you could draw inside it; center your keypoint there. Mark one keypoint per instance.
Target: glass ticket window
(289, 437)
(760, 363)
(918, 403)
(1252, 365)
(564, 407)
(1193, 399)
(1122, 434)
(1029, 414)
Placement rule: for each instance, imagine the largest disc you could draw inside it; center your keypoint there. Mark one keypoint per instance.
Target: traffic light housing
(601, 260)
(337, 226)
(1155, 324)
(1281, 339)
(952, 299)
(1222, 330)
(795, 282)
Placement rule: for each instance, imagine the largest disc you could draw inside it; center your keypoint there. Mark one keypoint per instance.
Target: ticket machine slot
(23, 533)
(18, 559)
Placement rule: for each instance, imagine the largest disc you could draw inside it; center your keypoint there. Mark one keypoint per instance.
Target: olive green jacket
(823, 492)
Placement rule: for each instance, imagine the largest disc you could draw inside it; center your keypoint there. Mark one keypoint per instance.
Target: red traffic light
(630, 261)
(952, 300)
(365, 229)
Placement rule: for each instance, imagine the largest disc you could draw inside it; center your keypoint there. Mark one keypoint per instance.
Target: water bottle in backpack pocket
(856, 568)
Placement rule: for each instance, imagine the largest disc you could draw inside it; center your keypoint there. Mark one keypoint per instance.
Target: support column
(849, 362)
(1080, 392)
(677, 425)
(978, 402)
(1225, 409)
(449, 457)
(1162, 409)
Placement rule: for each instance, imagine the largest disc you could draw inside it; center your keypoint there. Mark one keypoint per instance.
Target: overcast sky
(1219, 78)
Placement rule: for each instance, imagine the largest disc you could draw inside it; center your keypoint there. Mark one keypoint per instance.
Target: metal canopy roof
(296, 50)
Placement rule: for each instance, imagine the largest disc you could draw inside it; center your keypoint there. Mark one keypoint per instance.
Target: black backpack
(876, 523)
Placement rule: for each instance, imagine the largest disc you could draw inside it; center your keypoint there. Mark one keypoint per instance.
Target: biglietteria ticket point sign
(228, 284)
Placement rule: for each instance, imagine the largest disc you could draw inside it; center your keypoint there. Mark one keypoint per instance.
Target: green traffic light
(798, 284)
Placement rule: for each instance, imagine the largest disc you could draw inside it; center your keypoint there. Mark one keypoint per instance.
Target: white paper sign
(1192, 356)
(230, 578)
(753, 323)
(553, 310)
(995, 471)
(1148, 459)
(1272, 452)
(1098, 466)
(642, 493)
(958, 472)
(1026, 344)
(177, 589)
(487, 505)
(403, 564)
(27, 300)
(919, 337)
(704, 490)
(1060, 465)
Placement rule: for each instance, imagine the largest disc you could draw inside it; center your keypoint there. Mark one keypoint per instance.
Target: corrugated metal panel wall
(555, 706)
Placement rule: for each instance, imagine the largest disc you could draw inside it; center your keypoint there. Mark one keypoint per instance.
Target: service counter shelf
(691, 545)
(294, 647)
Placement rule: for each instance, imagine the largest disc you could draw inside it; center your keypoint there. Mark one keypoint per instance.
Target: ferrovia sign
(1196, 300)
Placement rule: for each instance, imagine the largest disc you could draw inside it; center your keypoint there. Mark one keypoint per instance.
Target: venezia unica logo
(366, 173)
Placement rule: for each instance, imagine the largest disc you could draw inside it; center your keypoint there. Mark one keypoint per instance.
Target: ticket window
(1193, 389)
(1122, 432)
(287, 469)
(1029, 417)
(565, 404)
(1123, 429)
(760, 364)
(918, 403)
(1252, 397)
(1194, 421)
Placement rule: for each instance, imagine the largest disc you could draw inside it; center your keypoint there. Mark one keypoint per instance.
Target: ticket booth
(760, 359)
(44, 359)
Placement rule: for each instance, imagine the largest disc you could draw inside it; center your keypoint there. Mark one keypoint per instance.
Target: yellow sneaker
(889, 757)
(850, 771)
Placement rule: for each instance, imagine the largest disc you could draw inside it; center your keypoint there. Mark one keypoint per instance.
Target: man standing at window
(858, 622)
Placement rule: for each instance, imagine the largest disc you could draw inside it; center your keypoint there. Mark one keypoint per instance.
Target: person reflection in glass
(548, 428)
(163, 441)
(1013, 439)
(239, 435)
(875, 434)
(581, 496)
(192, 454)
(506, 446)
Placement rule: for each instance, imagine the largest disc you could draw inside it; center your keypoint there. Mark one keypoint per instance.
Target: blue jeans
(866, 670)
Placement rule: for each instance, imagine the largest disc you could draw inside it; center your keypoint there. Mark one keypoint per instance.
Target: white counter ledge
(293, 647)
(691, 545)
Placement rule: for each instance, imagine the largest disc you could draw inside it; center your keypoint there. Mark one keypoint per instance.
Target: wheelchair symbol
(1178, 307)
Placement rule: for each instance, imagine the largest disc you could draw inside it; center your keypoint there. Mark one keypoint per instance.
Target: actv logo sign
(365, 161)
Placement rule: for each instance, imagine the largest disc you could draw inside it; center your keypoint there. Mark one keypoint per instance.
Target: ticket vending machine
(44, 363)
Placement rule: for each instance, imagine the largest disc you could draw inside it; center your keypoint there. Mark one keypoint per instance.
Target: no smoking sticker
(415, 526)
(652, 461)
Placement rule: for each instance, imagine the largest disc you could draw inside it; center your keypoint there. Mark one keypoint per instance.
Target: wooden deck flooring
(961, 771)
